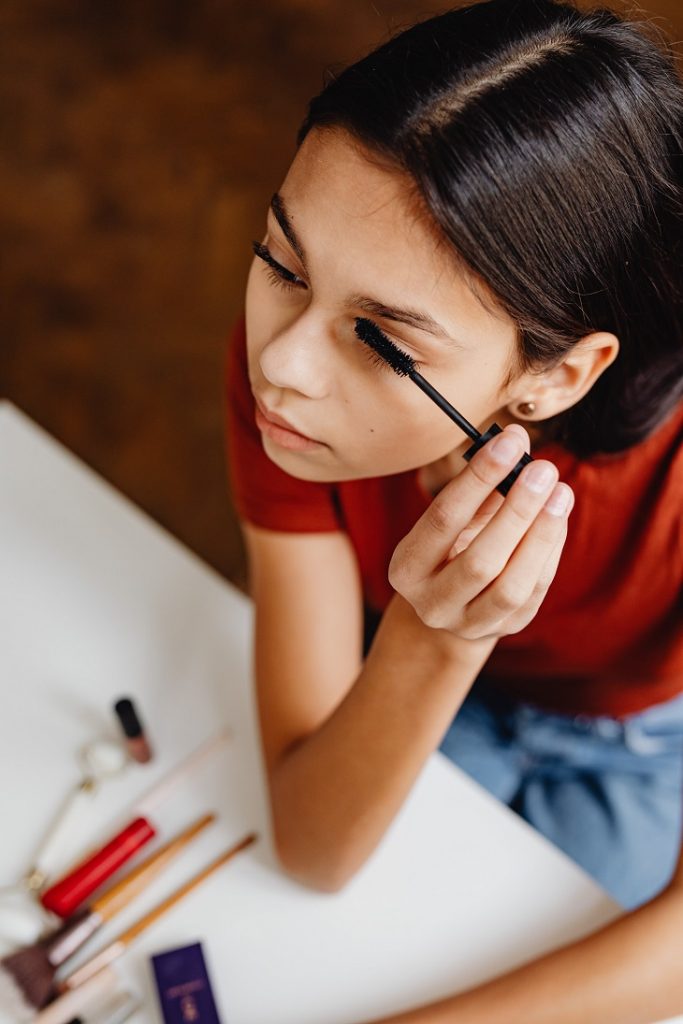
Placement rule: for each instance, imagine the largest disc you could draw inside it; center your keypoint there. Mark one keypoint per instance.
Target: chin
(299, 464)
(310, 465)
(303, 466)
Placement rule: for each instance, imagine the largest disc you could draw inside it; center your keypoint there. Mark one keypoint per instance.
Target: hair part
(545, 145)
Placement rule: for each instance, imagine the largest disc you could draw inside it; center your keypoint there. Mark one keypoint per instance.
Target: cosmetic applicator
(70, 892)
(116, 1011)
(403, 365)
(73, 1003)
(27, 976)
(119, 945)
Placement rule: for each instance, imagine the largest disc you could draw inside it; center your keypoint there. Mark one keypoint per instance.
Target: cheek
(405, 427)
(410, 430)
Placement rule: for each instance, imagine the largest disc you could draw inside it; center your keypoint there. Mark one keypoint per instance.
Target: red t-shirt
(608, 638)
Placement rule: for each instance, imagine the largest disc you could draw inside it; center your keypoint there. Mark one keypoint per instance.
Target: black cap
(127, 715)
(505, 485)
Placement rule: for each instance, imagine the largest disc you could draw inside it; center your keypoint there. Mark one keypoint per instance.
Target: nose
(298, 358)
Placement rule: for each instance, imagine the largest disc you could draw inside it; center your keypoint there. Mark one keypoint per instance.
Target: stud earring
(526, 408)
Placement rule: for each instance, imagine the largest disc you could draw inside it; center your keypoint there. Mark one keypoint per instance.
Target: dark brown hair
(546, 144)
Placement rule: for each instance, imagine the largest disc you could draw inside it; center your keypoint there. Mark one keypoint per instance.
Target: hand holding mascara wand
(402, 364)
(492, 585)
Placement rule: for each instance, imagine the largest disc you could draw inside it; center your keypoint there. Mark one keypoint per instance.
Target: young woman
(499, 189)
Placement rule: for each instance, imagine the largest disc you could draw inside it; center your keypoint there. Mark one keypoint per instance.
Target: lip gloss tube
(136, 740)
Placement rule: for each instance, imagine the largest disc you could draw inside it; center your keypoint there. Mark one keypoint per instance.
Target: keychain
(22, 918)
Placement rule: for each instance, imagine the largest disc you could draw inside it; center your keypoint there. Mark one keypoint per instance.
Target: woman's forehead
(349, 208)
(333, 173)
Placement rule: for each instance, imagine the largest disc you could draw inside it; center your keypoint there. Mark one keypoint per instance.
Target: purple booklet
(184, 987)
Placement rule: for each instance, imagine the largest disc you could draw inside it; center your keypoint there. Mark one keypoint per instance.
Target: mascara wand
(402, 364)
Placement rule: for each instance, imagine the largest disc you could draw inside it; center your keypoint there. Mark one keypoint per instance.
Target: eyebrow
(410, 317)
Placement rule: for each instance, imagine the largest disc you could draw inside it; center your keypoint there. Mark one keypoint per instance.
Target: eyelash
(279, 275)
(283, 278)
(374, 358)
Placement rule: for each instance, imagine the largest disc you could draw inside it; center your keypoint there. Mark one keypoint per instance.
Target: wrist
(470, 653)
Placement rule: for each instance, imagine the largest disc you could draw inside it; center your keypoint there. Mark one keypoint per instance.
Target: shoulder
(633, 497)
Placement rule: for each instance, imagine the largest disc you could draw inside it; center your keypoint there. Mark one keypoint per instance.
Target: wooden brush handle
(67, 1006)
(116, 948)
(132, 933)
(159, 792)
(116, 898)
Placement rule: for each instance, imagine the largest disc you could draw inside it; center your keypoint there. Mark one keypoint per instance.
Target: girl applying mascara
(452, 189)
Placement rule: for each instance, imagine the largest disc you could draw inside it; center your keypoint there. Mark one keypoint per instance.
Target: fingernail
(559, 500)
(538, 477)
(503, 447)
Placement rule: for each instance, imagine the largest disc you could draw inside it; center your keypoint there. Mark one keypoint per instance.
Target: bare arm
(627, 973)
(344, 740)
(342, 751)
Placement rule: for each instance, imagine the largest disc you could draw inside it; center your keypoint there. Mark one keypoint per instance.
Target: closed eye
(280, 276)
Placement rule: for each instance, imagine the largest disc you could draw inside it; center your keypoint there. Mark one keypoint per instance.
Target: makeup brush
(402, 364)
(31, 970)
(116, 1011)
(118, 946)
(72, 1003)
(71, 891)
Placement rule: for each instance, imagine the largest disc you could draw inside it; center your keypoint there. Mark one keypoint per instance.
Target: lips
(279, 421)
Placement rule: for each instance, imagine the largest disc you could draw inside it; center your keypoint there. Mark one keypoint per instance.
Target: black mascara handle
(505, 485)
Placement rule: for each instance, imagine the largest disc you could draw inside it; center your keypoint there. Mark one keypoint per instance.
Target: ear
(565, 384)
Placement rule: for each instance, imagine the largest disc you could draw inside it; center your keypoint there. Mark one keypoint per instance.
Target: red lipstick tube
(67, 895)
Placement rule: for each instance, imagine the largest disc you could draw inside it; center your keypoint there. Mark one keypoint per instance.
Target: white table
(98, 601)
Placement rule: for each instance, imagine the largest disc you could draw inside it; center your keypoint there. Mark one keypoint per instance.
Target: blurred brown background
(141, 141)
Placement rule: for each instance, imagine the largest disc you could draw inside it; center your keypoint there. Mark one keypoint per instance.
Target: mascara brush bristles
(400, 362)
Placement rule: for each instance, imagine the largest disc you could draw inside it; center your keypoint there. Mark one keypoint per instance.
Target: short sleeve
(262, 493)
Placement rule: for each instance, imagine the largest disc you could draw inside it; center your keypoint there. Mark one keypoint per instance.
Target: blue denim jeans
(607, 791)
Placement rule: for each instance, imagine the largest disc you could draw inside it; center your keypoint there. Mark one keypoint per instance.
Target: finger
(546, 577)
(490, 550)
(523, 584)
(484, 560)
(473, 624)
(521, 431)
(520, 619)
(429, 541)
(495, 499)
(490, 505)
(477, 523)
(543, 585)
